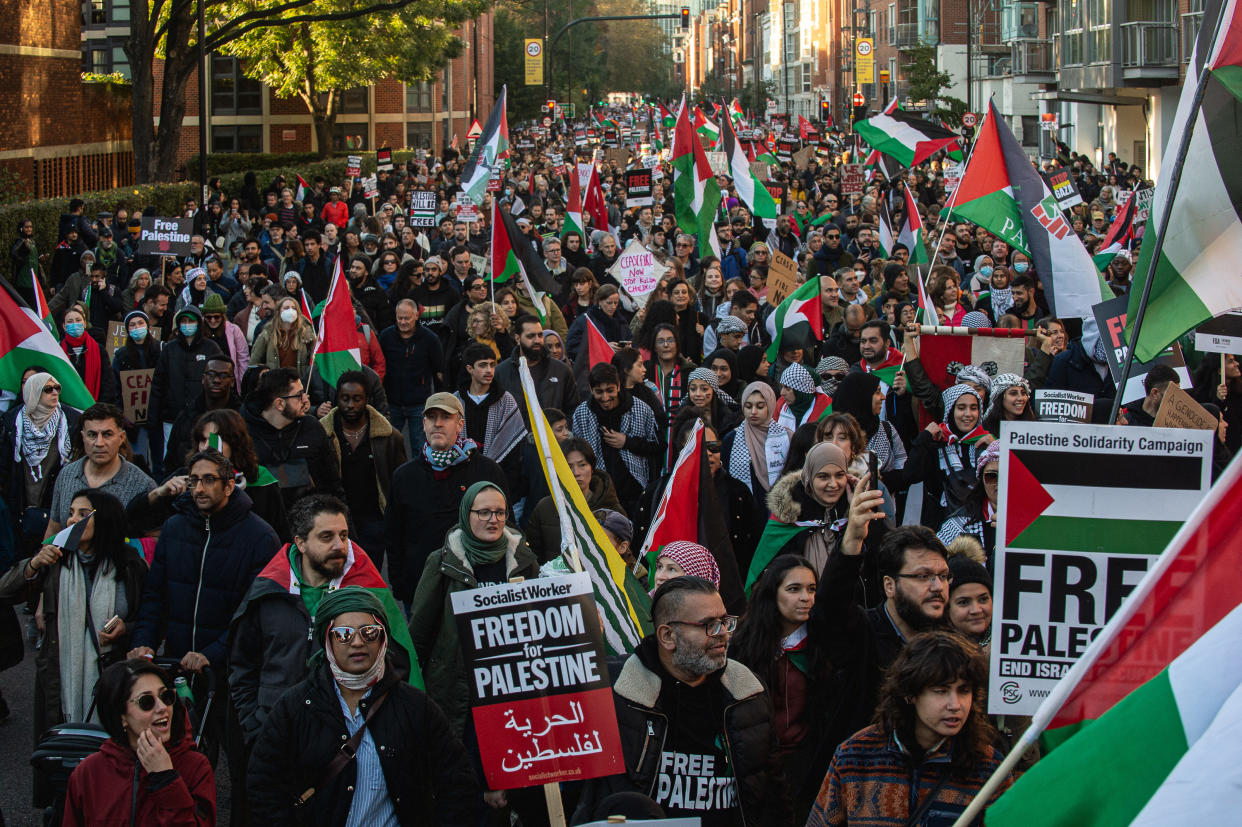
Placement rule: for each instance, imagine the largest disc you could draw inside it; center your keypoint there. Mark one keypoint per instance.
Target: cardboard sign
(802, 157)
(481, 264)
(136, 394)
(423, 205)
(353, 166)
(370, 186)
(165, 236)
(1062, 406)
(1083, 512)
(782, 277)
(540, 692)
(759, 169)
(1220, 335)
(638, 188)
(1178, 409)
(853, 178)
(1142, 210)
(1062, 185)
(719, 162)
(466, 210)
(618, 156)
(1110, 318)
(638, 271)
(383, 160)
(118, 336)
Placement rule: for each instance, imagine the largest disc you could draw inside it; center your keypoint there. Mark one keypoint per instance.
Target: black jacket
(12, 472)
(429, 778)
(643, 720)
(178, 443)
(423, 508)
(178, 376)
(554, 383)
(297, 455)
(320, 391)
(202, 568)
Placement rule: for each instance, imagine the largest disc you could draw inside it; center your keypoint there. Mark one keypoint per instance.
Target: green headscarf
(343, 601)
(479, 552)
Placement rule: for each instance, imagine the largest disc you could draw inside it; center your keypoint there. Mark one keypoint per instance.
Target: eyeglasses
(345, 634)
(991, 477)
(297, 395)
(488, 514)
(146, 701)
(833, 235)
(926, 578)
(714, 627)
(212, 317)
(206, 479)
(714, 447)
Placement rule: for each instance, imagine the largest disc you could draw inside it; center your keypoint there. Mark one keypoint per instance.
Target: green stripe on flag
(776, 535)
(1088, 534)
(998, 213)
(1110, 768)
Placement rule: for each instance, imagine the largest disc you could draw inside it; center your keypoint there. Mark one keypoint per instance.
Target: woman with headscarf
(723, 362)
(976, 517)
(1011, 401)
(196, 289)
(405, 764)
(753, 365)
(82, 590)
(943, 454)
(757, 449)
(703, 390)
(87, 356)
(801, 401)
(862, 396)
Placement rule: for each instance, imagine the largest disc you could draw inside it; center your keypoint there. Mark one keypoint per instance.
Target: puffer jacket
(179, 373)
(426, 771)
(202, 568)
(433, 626)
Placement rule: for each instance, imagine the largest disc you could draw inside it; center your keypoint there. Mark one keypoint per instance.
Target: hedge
(225, 163)
(168, 199)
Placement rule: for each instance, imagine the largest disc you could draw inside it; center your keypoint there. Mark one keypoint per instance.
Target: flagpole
(1183, 148)
(953, 200)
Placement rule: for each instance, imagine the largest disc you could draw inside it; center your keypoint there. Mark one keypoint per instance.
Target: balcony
(911, 35)
(1191, 23)
(1149, 51)
(1033, 60)
(1019, 21)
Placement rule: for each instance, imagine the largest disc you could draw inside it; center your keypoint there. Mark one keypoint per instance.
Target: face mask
(985, 271)
(288, 315)
(188, 329)
(75, 329)
(138, 334)
(1021, 266)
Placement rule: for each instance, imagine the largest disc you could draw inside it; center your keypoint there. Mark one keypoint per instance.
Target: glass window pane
(223, 139)
(120, 11)
(250, 138)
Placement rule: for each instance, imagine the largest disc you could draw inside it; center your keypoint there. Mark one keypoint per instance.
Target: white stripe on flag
(1118, 503)
(900, 130)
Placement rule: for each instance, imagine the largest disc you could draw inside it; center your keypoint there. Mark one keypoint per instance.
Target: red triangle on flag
(598, 349)
(1026, 499)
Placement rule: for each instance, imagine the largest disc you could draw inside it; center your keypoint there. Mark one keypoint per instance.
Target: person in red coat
(151, 746)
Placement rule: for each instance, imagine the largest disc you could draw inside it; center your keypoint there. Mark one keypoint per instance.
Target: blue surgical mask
(138, 334)
(188, 329)
(985, 270)
(75, 329)
(1021, 266)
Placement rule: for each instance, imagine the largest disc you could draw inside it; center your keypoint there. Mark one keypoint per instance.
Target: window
(120, 62)
(94, 12)
(231, 92)
(806, 77)
(349, 136)
(1030, 130)
(120, 11)
(418, 135)
(355, 101)
(99, 61)
(418, 97)
(248, 138)
(892, 24)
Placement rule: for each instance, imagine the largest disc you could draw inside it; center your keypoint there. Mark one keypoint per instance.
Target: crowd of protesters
(302, 541)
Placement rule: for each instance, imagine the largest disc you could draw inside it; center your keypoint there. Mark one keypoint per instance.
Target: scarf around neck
(455, 454)
(479, 552)
(90, 351)
(756, 437)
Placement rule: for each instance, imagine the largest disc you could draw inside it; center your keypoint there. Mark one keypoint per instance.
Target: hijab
(798, 379)
(821, 541)
(479, 552)
(749, 358)
(38, 426)
(950, 396)
(735, 382)
(346, 600)
(854, 396)
(757, 435)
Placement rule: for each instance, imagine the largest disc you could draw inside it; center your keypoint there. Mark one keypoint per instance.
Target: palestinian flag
(766, 156)
(690, 510)
(1204, 237)
(489, 150)
(696, 195)
(279, 578)
(776, 535)
(304, 299)
(594, 351)
(1145, 724)
(926, 312)
(735, 113)
(704, 127)
(302, 191)
(750, 190)
(1120, 235)
(908, 138)
(821, 407)
(41, 307)
(624, 605)
(911, 233)
(25, 342)
(800, 317)
(667, 120)
(886, 370)
(337, 349)
(70, 537)
(573, 209)
(1007, 348)
(1001, 192)
(514, 256)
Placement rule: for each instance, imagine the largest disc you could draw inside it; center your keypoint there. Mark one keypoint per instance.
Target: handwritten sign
(539, 684)
(802, 157)
(617, 157)
(759, 169)
(719, 162)
(638, 271)
(353, 166)
(853, 178)
(117, 337)
(1178, 409)
(782, 277)
(136, 394)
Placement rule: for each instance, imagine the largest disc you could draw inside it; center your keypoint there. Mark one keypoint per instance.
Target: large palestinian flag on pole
(573, 209)
(696, 195)
(1196, 277)
(337, 350)
(25, 342)
(489, 150)
(513, 256)
(911, 233)
(1001, 192)
(1145, 725)
(1120, 234)
(907, 138)
(750, 190)
(799, 318)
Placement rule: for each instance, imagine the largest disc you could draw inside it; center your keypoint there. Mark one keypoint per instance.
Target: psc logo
(1010, 692)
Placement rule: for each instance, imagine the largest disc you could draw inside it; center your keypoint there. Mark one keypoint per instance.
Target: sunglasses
(991, 477)
(713, 447)
(146, 702)
(345, 634)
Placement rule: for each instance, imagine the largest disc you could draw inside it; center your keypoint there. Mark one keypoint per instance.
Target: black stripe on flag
(1144, 471)
(1222, 113)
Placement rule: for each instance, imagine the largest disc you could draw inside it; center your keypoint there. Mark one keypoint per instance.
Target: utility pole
(202, 107)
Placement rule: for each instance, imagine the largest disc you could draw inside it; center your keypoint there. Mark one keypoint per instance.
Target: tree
(317, 62)
(926, 82)
(167, 30)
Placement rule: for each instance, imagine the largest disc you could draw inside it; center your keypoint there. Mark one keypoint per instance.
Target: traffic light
(549, 108)
(685, 17)
(825, 111)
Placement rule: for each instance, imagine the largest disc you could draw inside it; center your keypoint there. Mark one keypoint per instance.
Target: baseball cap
(444, 402)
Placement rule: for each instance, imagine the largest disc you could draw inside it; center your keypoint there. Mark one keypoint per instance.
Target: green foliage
(13, 187)
(241, 162)
(927, 82)
(113, 79)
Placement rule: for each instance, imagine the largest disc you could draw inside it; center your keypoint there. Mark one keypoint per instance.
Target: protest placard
(618, 156)
(638, 271)
(952, 175)
(466, 210)
(136, 394)
(759, 169)
(1062, 406)
(481, 264)
(638, 188)
(558, 163)
(117, 336)
(580, 137)
(370, 186)
(1142, 209)
(1062, 185)
(353, 166)
(719, 162)
(1220, 335)
(165, 236)
(782, 277)
(853, 178)
(383, 159)
(1083, 511)
(540, 692)
(803, 157)
(1110, 318)
(423, 205)
(1178, 409)
(785, 148)
(777, 191)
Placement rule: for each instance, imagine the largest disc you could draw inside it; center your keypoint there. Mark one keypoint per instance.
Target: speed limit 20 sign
(969, 119)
